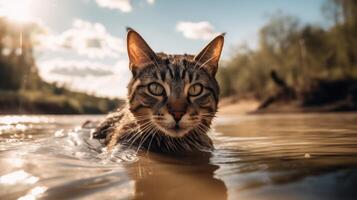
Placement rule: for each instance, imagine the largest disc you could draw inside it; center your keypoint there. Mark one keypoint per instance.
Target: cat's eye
(195, 90)
(156, 89)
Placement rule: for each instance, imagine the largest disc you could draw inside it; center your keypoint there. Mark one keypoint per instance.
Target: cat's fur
(171, 100)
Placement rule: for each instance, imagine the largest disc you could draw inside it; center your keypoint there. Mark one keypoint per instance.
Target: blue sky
(241, 19)
(88, 36)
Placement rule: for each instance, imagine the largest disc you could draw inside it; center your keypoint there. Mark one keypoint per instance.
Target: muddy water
(300, 156)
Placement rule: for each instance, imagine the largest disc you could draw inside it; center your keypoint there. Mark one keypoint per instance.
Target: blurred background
(69, 57)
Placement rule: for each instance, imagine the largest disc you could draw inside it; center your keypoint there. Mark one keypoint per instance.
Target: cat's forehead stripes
(175, 73)
(178, 67)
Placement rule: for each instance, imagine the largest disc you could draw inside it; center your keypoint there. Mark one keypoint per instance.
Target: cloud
(78, 68)
(85, 38)
(196, 30)
(122, 5)
(150, 1)
(93, 77)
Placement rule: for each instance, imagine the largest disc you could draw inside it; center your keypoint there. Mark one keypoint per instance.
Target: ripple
(18, 177)
(304, 156)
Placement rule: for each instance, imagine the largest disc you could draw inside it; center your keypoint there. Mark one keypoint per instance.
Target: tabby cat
(172, 100)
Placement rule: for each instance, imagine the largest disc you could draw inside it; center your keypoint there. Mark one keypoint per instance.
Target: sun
(17, 10)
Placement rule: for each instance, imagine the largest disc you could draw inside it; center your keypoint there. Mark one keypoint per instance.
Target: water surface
(297, 156)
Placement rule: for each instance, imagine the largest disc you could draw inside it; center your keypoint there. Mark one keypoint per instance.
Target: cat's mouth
(173, 130)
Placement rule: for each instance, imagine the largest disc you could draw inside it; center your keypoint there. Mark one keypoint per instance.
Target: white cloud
(85, 38)
(93, 77)
(196, 30)
(150, 1)
(78, 68)
(122, 5)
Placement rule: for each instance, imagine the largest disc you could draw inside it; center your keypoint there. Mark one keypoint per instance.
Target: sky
(83, 45)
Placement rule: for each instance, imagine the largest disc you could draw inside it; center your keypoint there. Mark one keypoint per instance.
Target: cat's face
(173, 94)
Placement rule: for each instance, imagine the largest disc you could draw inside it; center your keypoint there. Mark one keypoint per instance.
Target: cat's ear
(209, 56)
(139, 51)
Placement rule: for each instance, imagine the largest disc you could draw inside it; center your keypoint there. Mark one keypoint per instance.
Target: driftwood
(284, 93)
(328, 95)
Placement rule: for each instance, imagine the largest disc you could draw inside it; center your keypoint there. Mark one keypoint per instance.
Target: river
(284, 156)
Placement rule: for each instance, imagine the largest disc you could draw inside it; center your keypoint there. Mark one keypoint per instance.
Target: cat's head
(173, 94)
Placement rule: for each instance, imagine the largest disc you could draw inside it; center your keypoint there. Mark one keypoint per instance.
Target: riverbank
(320, 96)
(229, 107)
(234, 106)
(40, 102)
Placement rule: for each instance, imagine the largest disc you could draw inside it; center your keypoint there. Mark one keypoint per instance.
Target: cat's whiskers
(142, 141)
(208, 114)
(203, 128)
(153, 135)
(142, 118)
(149, 132)
(139, 132)
(145, 129)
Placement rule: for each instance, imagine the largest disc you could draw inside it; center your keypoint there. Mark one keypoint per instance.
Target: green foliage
(49, 103)
(299, 54)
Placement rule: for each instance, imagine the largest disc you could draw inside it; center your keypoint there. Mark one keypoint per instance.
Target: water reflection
(288, 156)
(18, 177)
(305, 156)
(34, 193)
(163, 177)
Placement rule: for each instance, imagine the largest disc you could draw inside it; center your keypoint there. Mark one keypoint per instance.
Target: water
(300, 156)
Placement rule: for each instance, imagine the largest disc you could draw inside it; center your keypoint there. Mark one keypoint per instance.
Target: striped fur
(172, 100)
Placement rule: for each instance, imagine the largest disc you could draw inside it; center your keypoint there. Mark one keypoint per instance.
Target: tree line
(22, 90)
(298, 54)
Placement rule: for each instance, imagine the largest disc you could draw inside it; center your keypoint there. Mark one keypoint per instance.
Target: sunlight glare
(16, 177)
(34, 193)
(17, 10)
(16, 119)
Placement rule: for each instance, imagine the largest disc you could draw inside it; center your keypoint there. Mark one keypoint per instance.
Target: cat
(171, 101)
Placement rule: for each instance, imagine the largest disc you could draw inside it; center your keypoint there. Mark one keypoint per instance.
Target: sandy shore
(231, 107)
(234, 107)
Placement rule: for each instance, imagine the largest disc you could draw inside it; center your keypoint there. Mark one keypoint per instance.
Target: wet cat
(172, 100)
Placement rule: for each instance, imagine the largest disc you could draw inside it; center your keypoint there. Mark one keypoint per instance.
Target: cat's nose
(177, 108)
(177, 115)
